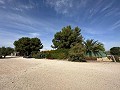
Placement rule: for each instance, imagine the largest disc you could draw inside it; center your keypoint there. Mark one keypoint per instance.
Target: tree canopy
(67, 38)
(25, 45)
(93, 48)
(4, 51)
(72, 39)
(115, 51)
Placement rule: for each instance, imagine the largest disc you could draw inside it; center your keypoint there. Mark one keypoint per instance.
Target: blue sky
(98, 19)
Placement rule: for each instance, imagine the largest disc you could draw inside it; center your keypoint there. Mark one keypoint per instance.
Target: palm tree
(93, 48)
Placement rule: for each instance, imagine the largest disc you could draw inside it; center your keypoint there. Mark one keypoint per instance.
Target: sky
(97, 19)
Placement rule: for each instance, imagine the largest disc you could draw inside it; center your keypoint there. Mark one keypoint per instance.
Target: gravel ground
(43, 74)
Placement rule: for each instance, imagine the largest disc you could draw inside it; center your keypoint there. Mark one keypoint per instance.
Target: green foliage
(9, 50)
(67, 38)
(76, 59)
(53, 54)
(90, 58)
(76, 53)
(49, 55)
(93, 48)
(22, 45)
(57, 54)
(0, 53)
(39, 55)
(25, 46)
(68, 44)
(117, 58)
(115, 51)
(36, 44)
(4, 51)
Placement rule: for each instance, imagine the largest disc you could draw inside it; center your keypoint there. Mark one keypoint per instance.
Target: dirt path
(32, 74)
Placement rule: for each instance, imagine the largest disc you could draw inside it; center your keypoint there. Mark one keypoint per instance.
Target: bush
(48, 55)
(117, 58)
(57, 54)
(76, 59)
(90, 58)
(76, 53)
(39, 55)
(27, 56)
(53, 54)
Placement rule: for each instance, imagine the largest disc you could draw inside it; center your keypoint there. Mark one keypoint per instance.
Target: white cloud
(17, 9)
(22, 7)
(14, 26)
(107, 7)
(17, 5)
(115, 25)
(65, 6)
(34, 34)
(27, 7)
(3, 7)
(15, 20)
(5, 1)
(2, 2)
(117, 22)
(61, 6)
(109, 13)
(93, 31)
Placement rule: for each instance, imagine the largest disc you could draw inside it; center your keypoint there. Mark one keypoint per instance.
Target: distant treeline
(67, 43)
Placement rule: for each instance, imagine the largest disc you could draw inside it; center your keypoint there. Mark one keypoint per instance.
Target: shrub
(53, 54)
(76, 58)
(76, 53)
(39, 55)
(117, 58)
(57, 54)
(48, 55)
(90, 58)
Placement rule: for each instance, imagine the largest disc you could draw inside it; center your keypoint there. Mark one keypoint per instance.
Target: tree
(93, 48)
(67, 38)
(4, 51)
(115, 50)
(25, 46)
(36, 44)
(77, 53)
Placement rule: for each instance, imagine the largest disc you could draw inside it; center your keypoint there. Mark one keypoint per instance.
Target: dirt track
(32, 74)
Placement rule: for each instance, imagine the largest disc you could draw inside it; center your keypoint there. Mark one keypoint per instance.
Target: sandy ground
(43, 74)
